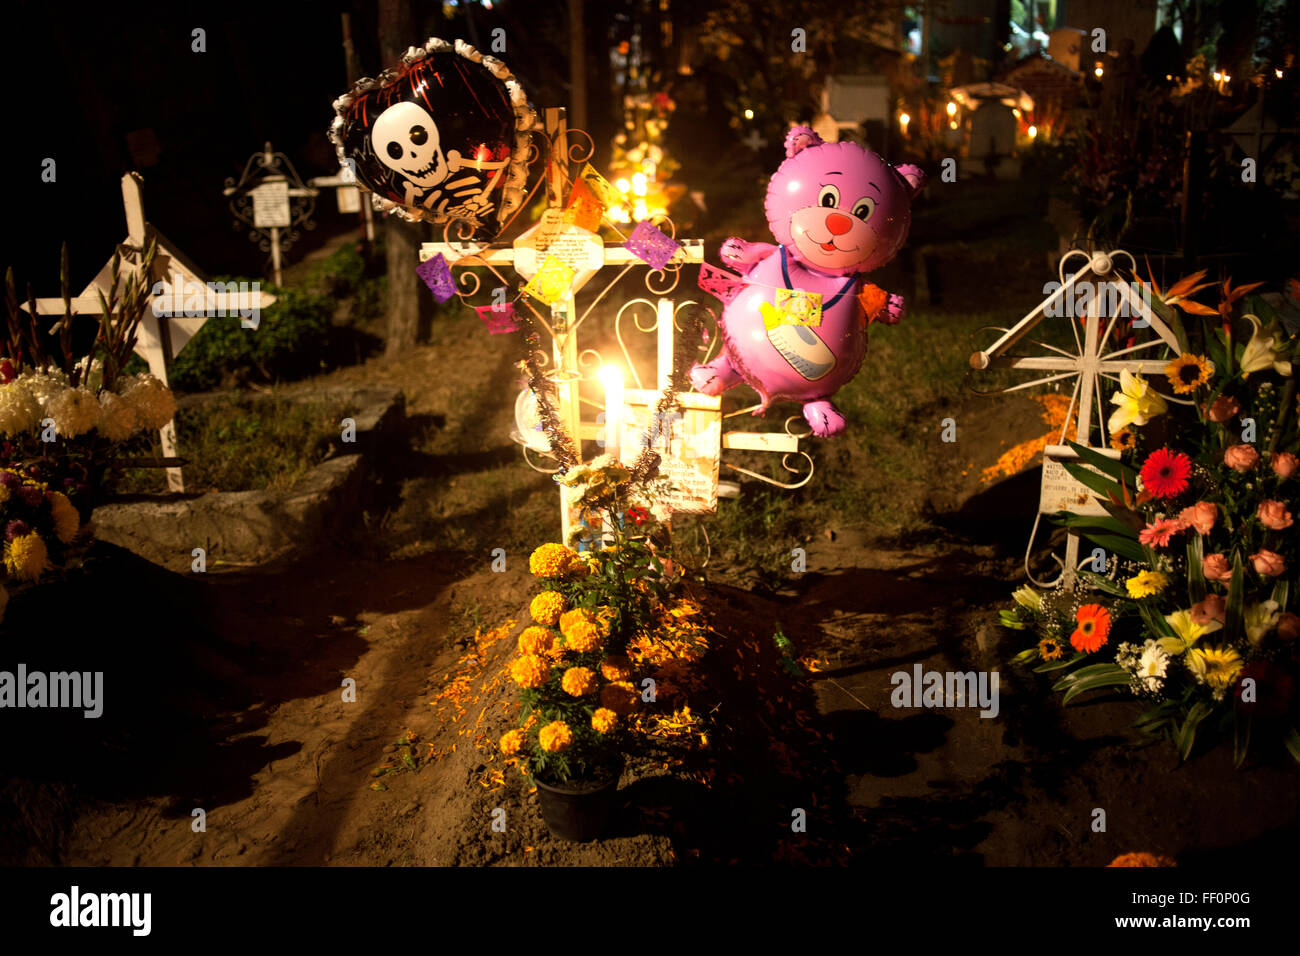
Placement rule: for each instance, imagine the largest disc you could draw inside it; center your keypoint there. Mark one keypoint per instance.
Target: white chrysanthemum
(44, 384)
(92, 374)
(153, 401)
(74, 411)
(19, 410)
(118, 419)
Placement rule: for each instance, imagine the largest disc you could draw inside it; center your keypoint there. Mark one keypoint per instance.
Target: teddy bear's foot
(714, 378)
(824, 418)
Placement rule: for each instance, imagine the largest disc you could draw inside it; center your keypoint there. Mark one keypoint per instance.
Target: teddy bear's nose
(838, 223)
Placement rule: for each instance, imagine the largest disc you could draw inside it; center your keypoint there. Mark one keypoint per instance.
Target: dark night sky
(80, 77)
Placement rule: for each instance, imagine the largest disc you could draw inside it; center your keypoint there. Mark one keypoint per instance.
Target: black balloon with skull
(435, 138)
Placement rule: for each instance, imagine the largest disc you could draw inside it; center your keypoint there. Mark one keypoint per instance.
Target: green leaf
(1291, 740)
(1155, 621)
(1241, 723)
(1103, 583)
(1281, 591)
(1057, 665)
(1186, 737)
(1125, 547)
(1090, 678)
(1090, 479)
(1195, 576)
(1025, 656)
(1236, 599)
(1113, 467)
(1112, 525)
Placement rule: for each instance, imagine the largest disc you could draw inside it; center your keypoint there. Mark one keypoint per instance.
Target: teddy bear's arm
(742, 255)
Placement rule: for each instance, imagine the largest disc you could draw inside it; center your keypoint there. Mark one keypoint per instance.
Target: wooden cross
(1091, 362)
(162, 333)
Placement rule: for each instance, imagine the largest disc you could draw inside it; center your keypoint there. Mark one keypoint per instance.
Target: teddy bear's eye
(864, 207)
(829, 197)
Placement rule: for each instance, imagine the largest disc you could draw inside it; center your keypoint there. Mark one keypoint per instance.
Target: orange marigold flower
(529, 671)
(619, 696)
(550, 560)
(583, 637)
(578, 681)
(547, 607)
(616, 668)
(1093, 622)
(511, 742)
(536, 640)
(1141, 859)
(604, 720)
(555, 737)
(576, 616)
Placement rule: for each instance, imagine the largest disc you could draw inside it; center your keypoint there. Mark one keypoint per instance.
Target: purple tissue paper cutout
(437, 276)
(499, 319)
(651, 245)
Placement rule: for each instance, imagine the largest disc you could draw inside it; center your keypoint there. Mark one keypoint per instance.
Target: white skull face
(405, 139)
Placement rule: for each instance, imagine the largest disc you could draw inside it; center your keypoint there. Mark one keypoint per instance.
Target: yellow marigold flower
(555, 737)
(547, 607)
(26, 557)
(1146, 583)
(550, 560)
(616, 668)
(620, 697)
(66, 520)
(604, 618)
(578, 681)
(512, 741)
(529, 671)
(536, 640)
(583, 637)
(576, 616)
(604, 720)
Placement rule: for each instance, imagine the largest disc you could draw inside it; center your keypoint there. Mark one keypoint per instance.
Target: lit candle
(612, 378)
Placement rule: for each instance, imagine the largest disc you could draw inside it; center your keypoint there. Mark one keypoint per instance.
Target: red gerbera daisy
(1093, 622)
(1165, 473)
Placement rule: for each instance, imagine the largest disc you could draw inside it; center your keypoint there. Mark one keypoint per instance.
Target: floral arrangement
(604, 621)
(62, 418)
(1190, 607)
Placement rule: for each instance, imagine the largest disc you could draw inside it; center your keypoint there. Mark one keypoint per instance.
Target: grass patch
(243, 444)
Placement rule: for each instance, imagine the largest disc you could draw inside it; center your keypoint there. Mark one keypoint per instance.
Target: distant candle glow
(952, 108)
(1033, 132)
(749, 114)
(903, 120)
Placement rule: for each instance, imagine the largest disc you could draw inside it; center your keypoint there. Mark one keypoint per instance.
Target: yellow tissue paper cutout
(551, 282)
(605, 192)
(793, 307)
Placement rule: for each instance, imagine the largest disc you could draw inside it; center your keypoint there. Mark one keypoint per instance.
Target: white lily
(1261, 352)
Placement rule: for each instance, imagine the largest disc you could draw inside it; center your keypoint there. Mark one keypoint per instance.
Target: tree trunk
(407, 307)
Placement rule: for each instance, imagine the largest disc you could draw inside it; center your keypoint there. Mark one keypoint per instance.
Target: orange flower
(511, 742)
(529, 671)
(578, 681)
(616, 668)
(555, 737)
(582, 637)
(604, 720)
(1141, 859)
(1093, 622)
(536, 640)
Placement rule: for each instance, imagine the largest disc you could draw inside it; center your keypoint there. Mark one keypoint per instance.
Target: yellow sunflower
(1050, 649)
(1188, 372)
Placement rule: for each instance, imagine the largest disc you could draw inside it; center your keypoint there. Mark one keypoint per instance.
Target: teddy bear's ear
(914, 176)
(799, 138)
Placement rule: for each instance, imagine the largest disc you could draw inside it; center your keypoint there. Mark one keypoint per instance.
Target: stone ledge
(247, 528)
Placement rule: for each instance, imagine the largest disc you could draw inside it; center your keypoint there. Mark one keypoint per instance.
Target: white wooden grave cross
(348, 193)
(163, 330)
(564, 321)
(1091, 362)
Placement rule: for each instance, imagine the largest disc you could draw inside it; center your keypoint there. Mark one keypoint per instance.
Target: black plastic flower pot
(578, 810)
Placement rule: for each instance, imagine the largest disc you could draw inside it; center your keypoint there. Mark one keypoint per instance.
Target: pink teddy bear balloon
(838, 211)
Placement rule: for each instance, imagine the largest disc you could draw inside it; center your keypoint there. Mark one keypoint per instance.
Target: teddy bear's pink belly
(794, 361)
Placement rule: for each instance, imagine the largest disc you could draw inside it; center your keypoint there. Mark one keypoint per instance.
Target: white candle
(612, 377)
